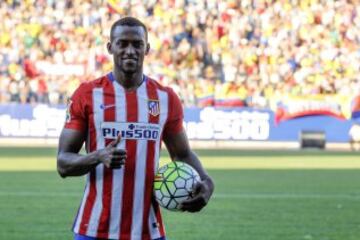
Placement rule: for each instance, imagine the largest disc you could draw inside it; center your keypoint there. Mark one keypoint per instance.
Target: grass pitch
(259, 195)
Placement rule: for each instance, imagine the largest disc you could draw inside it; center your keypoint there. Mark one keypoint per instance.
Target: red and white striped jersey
(119, 203)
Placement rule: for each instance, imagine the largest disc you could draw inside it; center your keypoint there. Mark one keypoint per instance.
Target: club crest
(154, 107)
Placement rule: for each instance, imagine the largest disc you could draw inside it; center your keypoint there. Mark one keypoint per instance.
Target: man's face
(128, 47)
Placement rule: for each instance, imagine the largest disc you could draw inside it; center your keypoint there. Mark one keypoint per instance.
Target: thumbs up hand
(115, 142)
(111, 156)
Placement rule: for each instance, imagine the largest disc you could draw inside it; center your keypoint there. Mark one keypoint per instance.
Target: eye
(137, 44)
(122, 43)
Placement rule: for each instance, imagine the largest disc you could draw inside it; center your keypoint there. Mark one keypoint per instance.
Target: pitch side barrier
(206, 127)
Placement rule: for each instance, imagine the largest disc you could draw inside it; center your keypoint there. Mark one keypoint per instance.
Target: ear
(108, 46)
(147, 48)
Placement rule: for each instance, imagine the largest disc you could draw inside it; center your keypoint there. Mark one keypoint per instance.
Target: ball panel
(186, 170)
(164, 190)
(165, 202)
(181, 199)
(172, 205)
(172, 176)
(183, 174)
(180, 183)
(171, 187)
(168, 172)
(157, 185)
(189, 184)
(181, 192)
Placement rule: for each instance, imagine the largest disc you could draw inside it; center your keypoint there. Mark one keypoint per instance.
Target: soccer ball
(174, 183)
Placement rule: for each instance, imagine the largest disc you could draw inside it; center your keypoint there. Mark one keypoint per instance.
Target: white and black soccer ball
(174, 183)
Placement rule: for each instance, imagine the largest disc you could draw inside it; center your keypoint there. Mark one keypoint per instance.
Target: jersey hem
(122, 236)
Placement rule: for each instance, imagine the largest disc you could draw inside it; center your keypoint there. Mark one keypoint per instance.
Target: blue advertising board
(228, 124)
(259, 125)
(38, 121)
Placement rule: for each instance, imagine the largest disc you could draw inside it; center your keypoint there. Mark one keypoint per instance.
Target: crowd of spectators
(233, 53)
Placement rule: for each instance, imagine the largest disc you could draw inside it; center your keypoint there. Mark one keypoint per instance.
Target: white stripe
(118, 174)
(154, 230)
(163, 102)
(140, 167)
(81, 210)
(120, 102)
(142, 98)
(98, 119)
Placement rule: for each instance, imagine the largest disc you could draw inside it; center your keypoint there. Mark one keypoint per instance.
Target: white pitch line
(39, 194)
(285, 196)
(216, 195)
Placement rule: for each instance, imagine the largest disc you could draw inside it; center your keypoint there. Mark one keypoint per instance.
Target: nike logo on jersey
(103, 106)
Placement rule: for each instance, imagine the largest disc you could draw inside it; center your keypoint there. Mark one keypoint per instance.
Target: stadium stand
(213, 53)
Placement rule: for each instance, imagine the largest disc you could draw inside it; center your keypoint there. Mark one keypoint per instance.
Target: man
(111, 115)
(354, 134)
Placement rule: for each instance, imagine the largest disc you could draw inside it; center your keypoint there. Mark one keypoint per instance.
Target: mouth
(129, 59)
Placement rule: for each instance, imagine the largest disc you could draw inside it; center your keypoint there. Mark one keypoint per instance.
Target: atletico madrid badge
(154, 107)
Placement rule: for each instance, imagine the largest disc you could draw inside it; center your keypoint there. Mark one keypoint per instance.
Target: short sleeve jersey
(118, 203)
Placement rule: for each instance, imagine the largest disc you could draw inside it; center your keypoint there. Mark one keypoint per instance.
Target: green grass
(259, 195)
(44, 159)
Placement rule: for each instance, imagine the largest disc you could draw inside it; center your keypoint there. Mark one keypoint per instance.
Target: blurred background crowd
(222, 53)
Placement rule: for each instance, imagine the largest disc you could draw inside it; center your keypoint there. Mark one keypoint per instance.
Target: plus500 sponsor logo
(221, 125)
(131, 131)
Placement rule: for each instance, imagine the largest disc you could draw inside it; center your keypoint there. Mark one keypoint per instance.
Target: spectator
(260, 48)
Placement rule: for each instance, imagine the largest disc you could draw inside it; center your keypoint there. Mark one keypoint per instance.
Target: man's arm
(179, 150)
(71, 163)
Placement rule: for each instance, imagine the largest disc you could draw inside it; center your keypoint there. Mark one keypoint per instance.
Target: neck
(128, 81)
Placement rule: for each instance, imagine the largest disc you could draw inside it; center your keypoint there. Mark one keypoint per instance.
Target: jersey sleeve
(174, 123)
(75, 113)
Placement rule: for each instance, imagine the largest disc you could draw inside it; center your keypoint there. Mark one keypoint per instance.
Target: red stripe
(90, 200)
(150, 159)
(154, 203)
(109, 116)
(158, 217)
(130, 165)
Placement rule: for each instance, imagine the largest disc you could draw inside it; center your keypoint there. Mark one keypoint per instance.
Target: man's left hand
(201, 195)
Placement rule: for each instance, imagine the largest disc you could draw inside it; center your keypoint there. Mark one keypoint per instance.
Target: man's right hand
(111, 156)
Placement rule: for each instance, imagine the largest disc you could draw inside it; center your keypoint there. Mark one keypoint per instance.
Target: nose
(130, 50)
